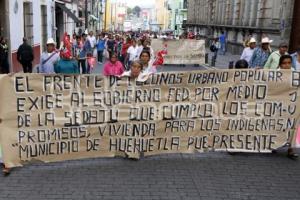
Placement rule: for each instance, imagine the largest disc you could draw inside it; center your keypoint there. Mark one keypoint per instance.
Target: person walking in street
(241, 64)
(82, 49)
(248, 51)
(4, 65)
(285, 63)
(92, 39)
(126, 45)
(113, 67)
(132, 53)
(74, 42)
(100, 48)
(296, 60)
(119, 46)
(25, 56)
(146, 47)
(66, 65)
(147, 62)
(214, 48)
(5, 170)
(111, 45)
(222, 40)
(135, 72)
(49, 58)
(93, 42)
(273, 60)
(261, 54)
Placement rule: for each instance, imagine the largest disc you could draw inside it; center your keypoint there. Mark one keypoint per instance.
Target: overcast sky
(142, 3)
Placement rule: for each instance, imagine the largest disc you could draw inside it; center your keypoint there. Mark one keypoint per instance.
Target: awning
(94, 17)
(68, 12)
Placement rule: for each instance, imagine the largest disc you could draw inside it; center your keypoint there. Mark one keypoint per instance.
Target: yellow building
(162, 14)
(107, 20)
(115, 13)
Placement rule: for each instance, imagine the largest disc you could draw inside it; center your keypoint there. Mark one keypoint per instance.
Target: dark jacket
(25, 53)
(2, 55)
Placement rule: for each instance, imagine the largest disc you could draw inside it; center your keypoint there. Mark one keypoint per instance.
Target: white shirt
(140, 50)
(133, 53)
(143, 76)
(92, 41)
(247, 54)
(297, 65)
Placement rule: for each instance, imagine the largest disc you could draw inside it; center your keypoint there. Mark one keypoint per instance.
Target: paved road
(222, 63)
(200, 176)
(179, 176)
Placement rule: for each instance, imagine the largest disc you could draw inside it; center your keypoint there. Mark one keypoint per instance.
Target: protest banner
(181, 51)
(61, 117)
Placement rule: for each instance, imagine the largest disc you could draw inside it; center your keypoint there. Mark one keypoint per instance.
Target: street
(179, 176)
(208, 176)
(218, 77)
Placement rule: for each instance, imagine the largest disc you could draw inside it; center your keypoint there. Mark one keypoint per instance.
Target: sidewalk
(222, 60)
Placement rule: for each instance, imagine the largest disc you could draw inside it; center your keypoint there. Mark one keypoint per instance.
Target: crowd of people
(79, 54)
(259, 57)
(131, 55)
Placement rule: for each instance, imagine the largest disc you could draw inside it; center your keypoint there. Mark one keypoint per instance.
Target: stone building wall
(241, 19)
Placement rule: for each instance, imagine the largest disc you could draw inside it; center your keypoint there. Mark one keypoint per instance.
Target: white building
(37, 20)
(26, 18)
(66, 18)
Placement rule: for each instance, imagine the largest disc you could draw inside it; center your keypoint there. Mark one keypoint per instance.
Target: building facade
(162, 14)
(66, 18)
(240, 19)
(92, 14)
(37, 21)
(115, 15)
(178, 9)
(26, 18)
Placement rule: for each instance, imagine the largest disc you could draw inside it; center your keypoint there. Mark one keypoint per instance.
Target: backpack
(213, 48)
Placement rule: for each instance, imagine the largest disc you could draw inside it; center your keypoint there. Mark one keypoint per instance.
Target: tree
(137, 10)
(129, 11)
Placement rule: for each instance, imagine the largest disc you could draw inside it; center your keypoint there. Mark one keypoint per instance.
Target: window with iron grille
(44, 26)
(28, 22)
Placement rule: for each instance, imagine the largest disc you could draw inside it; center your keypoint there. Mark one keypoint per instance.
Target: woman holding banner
(5, 170)
(145, 59)
(285, 63)
(135, 72)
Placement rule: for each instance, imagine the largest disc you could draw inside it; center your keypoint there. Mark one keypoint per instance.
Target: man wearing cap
(261, 54)
(273, 60)
(49, 58)
(248, 51)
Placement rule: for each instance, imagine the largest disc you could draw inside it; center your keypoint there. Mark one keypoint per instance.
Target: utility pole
(86, 15)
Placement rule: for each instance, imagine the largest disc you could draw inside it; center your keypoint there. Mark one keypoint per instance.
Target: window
(185, 6)
(28, 22)
(44, 26)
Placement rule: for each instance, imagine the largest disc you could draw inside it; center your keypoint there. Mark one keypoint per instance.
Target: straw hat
(252, 40)
(50, 41)
(266, 40)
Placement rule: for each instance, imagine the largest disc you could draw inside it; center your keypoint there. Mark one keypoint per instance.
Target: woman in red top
(113, 67)
(125, 47)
